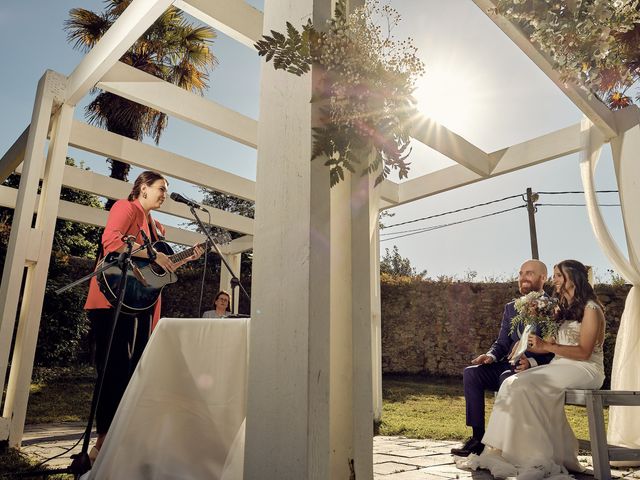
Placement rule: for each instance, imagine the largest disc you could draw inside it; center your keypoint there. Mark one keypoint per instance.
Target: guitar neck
(178, 257)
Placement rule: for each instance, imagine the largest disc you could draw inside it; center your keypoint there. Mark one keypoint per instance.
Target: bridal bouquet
(536, 309)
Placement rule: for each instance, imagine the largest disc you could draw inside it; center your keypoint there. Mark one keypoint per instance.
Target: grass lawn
(56, 395)
(61, 395)
(419, 407)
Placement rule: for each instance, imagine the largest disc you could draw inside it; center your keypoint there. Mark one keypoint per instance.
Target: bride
(528, 430)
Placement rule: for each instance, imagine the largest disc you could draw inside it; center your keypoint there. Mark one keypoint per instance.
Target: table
(182, 415)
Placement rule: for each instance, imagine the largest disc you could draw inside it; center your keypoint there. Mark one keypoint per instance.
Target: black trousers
(129, 340)
(477, 379)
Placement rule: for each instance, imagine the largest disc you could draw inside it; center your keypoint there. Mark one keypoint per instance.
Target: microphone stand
(80, 461)
(235, 281)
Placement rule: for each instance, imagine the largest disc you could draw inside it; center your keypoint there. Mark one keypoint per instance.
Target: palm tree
(172, 49)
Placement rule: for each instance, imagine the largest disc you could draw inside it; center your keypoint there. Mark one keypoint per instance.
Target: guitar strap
(153, 230)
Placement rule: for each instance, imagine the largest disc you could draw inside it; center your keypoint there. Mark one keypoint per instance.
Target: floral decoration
(367, 77)
(536, 308)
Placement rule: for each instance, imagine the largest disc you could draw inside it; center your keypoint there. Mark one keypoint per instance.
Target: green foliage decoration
(595, 43)
(365, 87)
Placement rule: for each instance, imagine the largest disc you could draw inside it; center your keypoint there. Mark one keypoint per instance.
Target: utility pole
(531, 198)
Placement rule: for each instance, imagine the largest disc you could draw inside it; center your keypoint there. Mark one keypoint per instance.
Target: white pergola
(315, 362)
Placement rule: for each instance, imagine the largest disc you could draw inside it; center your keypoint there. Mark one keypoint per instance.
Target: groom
(490, 369)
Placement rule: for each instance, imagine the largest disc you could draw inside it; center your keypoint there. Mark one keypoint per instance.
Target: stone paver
(44, 441)
(395, 458)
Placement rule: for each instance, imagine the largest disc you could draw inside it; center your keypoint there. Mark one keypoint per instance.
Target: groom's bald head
(532, 276)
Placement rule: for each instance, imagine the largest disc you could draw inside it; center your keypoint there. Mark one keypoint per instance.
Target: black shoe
(472, 445)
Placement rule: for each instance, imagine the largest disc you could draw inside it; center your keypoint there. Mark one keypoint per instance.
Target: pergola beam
(236, 19)
(92, 216)
(107, 187)
(452, 145)
(134, 21)
(593, 108)
(538, 150)
(389, 192)
(102, 142)
(14, 156)
(140, 87)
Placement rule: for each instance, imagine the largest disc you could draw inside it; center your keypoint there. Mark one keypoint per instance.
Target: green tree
(240, 206)
(70, 238)
(171, 49)
(63, 324)
(394, 264)
(228, 203)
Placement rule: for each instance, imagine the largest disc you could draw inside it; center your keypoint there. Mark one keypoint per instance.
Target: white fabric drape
(624, 422)
(182, 415)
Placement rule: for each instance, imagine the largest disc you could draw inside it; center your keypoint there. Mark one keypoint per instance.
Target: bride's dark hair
(577, 273)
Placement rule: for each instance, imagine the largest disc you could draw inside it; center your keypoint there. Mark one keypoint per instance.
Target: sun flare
(449, 97)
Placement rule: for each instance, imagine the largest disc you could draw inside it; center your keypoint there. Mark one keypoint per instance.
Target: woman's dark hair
(147, 178)
(577, 273)
(223, 292)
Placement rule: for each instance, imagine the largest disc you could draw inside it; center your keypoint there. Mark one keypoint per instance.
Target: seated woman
(528, 429)
(221, 303)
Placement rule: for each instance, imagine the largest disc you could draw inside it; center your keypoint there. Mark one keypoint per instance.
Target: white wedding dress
(528, 423)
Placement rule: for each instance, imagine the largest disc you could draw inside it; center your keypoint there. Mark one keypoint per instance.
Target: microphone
(176, 197)
(150, 251)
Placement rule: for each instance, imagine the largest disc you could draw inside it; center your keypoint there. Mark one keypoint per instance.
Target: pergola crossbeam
(108, 187)
(102, 142)
(14, 156)
(541, 149)
(92, 216)
(593, 108)
(140, 87)
(134, 21)
(235, 19)
(452, 145)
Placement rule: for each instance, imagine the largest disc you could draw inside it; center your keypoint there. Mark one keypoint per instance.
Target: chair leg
(598, 436)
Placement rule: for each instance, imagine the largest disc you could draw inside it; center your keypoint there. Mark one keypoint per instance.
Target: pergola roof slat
(141, 87)
(235, 18)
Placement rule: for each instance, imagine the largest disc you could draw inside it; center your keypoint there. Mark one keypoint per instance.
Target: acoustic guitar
(145, 281)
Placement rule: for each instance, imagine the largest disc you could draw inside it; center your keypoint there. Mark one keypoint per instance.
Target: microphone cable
(204, 269)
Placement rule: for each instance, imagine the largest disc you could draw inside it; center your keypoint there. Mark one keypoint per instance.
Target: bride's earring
(144, 194)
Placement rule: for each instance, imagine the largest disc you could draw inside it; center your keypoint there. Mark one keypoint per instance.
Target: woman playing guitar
(127, 217)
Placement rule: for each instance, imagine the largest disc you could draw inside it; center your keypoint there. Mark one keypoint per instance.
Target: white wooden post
(23, 240)
(376, 328)
(365, 300)
(225, 278)
(31, 247)
(309, 408)
(288, 430)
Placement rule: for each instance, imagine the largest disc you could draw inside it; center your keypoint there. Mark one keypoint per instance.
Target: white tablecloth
(182, 415)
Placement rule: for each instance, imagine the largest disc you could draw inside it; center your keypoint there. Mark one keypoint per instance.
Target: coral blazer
(125, 218)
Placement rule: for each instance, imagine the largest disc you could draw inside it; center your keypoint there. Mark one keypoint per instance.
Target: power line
(575, 191)
(415, 231)
(453, 211)
(574, 204)
(436, 227)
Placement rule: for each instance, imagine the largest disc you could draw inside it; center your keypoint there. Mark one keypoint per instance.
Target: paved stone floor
(394, 458)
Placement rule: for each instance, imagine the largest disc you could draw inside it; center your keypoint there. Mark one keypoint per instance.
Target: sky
(477, 83)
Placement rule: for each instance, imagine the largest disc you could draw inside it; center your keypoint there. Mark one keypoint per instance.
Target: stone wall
(432, 328)
(428, 328)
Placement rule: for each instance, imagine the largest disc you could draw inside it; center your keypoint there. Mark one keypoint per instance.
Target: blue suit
(479, 378)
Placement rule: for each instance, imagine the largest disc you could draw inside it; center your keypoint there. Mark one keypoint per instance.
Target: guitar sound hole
(157, 269)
